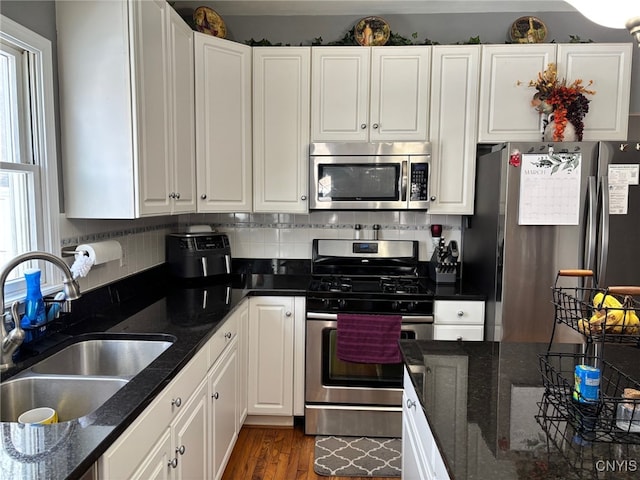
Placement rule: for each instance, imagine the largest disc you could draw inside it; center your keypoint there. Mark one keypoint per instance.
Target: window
(28, 171)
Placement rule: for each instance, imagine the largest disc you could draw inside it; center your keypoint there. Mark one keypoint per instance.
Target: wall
(289, 236)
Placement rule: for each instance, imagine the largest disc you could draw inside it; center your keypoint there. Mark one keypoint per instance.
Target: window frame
(44, 145)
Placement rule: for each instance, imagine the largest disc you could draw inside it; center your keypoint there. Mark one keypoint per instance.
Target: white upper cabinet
(370, 93)
(506, 113)
(183, 116)
(505, 100)
(453, 128)
(223, 124)
(609, 66)
(116, 108)
(281, 90)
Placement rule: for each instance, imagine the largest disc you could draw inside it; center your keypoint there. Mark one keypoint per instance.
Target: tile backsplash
(290, 236)
(273, 236)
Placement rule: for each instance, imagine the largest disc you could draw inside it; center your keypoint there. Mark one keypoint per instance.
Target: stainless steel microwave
(369, 176)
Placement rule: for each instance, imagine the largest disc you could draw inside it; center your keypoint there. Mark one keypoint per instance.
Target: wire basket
(586, 459)
(612, 418)
(606, 315)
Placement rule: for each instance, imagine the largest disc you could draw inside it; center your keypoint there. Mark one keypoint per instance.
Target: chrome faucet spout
(13, 339)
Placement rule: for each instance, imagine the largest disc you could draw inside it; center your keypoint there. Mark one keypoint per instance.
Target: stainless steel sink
(72, 397)
(120, 358)
(78, 379)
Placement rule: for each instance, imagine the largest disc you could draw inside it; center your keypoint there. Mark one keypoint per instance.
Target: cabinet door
(399, 105)
(190, 438)
(415, 465)
(223, 392)
(454, 124)
(270, 373)
(150, 59)
(158, 464)
(609, 66)
(299, 342)
(223, 124)
(182, 114)
(505, 99)
(243, 317)
(340, 93)
(281, 90)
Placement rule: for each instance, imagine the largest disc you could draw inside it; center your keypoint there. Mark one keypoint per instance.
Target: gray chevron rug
(358, 456)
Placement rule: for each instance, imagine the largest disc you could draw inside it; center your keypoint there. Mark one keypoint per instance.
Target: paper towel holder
(70, 251)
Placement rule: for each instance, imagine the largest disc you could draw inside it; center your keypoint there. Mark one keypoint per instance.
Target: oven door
(358, 182)
(331, 381)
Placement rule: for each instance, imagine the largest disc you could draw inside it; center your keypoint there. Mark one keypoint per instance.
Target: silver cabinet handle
(303, 197)
(180, 449)
(173, 463)
(460, 313)
(363, 126)
(203, 196)
(432, 198)
(459, 339)
(176, 402)
(172, 195)
(288, 314)
(228, 335)
(375, 126)
(215, 396)
(177, 195)
(410, 403)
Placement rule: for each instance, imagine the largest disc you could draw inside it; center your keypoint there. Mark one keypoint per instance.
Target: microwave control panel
(419, 182)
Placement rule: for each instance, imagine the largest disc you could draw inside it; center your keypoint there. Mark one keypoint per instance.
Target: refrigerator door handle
(591, 225)
(604, 230)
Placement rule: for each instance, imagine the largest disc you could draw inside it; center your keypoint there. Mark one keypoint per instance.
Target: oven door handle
(405, 318)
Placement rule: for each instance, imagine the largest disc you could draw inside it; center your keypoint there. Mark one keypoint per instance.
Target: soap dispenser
(34, 310)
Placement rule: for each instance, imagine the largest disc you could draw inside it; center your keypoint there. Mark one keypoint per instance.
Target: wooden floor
(274, 454)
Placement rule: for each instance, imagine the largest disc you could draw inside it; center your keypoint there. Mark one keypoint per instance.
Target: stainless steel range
(378, 277)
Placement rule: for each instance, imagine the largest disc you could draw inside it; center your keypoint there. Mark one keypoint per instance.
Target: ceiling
(370, 7)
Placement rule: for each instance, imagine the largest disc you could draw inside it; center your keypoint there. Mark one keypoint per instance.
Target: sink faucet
(13, 339)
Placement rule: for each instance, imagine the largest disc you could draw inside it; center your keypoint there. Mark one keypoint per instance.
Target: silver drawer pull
(180, 449)
(215, 396)
(173, 463)
(228, 335)
(176, 402)
(411, 403)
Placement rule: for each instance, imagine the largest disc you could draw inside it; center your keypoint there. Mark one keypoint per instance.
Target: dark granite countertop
(481, 400)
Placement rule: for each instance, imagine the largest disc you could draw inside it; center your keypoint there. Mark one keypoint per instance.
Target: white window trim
(45, 137)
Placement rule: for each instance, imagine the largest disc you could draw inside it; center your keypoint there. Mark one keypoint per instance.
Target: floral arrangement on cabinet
(565, 105)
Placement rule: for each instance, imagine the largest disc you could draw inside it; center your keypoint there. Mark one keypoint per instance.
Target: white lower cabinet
(189, 430)
(458, 320)
(223, 394)
(276, 357)
(421, 458)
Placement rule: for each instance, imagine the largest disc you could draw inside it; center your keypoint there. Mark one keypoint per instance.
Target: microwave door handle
(403, 181)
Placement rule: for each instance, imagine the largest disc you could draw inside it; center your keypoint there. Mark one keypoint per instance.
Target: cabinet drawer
(223, 336)
(133, 445)
(458, 313)
(455, 332)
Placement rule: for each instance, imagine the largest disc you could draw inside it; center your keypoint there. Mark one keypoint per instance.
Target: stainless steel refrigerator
(539, 210)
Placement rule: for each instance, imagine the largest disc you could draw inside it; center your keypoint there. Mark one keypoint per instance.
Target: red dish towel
(368, 338)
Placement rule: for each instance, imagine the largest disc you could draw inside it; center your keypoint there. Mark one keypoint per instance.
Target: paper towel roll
(102, 252)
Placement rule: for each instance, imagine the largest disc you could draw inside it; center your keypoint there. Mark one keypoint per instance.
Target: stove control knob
(395, 306)
(342, 303)
(411, 306)
(326, 303)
